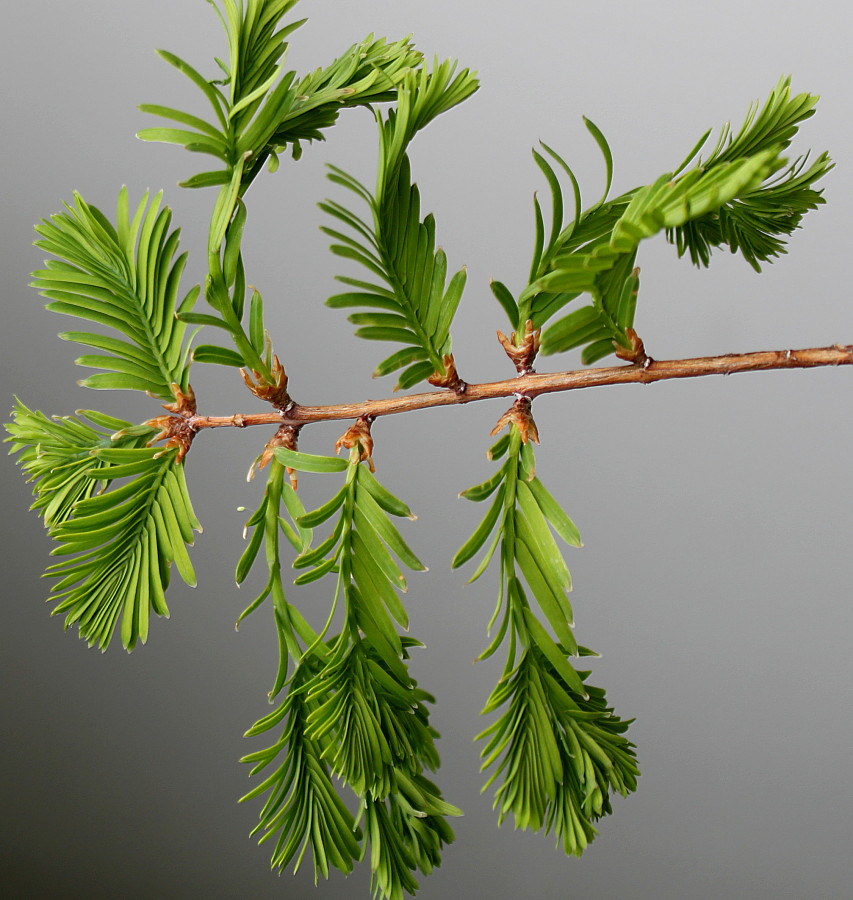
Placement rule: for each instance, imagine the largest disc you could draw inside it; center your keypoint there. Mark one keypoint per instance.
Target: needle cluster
(348, 715)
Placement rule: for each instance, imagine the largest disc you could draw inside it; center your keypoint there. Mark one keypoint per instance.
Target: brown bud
(286, 436)
(524, 352)
(185, 403)
(636, 353)
(450, 379)
(520, 416)
(359, 435)
(176, 429)
(274, 392)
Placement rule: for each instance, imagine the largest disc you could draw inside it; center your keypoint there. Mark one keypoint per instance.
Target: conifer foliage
(349, 717)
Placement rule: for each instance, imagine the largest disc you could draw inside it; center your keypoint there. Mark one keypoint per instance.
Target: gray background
(716, 514)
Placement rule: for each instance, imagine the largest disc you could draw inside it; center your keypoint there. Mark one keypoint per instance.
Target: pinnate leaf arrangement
(349, 721)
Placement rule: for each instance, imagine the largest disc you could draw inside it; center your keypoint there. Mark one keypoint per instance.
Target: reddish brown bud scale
(359, 435)
(274, 392)
(450, 379)
(522, 351)
(520, 416)
(178, 430)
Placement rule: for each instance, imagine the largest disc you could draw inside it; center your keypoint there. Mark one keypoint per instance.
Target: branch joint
(178, 429)
(522, 350)
(359, 435)
(450, 379)
(519, 415)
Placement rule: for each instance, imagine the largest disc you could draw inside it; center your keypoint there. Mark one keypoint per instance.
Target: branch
(533, 385)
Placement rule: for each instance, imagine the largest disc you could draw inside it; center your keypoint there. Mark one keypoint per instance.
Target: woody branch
(532, 385)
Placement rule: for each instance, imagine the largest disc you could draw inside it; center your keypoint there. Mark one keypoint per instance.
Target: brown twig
(535, 384)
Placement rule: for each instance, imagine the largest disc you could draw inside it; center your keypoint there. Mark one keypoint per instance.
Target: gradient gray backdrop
(716, 513)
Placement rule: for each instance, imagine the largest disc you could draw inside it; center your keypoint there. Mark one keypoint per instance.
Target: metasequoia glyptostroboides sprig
(113, 495)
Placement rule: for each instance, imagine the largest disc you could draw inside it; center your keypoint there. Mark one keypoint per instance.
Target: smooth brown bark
(534, 384)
